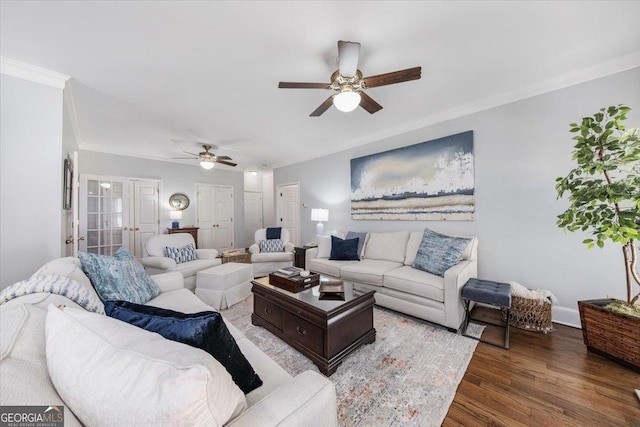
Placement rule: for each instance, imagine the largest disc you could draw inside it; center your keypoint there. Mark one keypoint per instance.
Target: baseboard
(566, 316)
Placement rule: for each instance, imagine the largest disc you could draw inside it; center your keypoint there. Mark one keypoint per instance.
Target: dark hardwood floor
(544, 380)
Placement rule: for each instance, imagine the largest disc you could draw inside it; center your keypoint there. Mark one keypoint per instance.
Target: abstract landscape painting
(432, 180)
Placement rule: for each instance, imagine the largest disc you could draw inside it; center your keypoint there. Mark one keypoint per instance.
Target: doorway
(289, 210)
(215, 216)
(252, 215)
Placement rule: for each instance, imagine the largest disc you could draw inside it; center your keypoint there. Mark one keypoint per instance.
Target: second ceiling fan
(349, 82)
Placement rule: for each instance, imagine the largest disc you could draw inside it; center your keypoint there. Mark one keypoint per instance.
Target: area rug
(407, 377)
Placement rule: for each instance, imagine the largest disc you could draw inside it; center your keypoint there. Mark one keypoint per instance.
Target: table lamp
(175, 215)
(319, 215)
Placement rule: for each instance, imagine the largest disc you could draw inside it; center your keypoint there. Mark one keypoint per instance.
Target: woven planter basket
(530, 315)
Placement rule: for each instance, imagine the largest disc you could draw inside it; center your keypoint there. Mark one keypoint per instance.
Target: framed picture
(179, 201)
(68, 186)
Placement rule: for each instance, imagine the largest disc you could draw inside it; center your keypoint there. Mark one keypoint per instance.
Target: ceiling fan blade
(369, 104)
(323, 107)
(185, 158)
(223, 157)
(217, 160)
(348, 54)
(193, 154)
(393, 77)
(294, 85)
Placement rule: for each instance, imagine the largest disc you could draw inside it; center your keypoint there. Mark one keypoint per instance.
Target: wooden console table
(191, 230)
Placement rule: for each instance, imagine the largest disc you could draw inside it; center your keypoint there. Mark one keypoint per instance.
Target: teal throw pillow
(438, 253)
(119, 277)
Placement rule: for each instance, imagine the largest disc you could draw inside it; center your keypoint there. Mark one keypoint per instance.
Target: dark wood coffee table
(325, 331)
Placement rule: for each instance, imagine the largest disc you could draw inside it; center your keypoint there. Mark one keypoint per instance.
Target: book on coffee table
(331, 289)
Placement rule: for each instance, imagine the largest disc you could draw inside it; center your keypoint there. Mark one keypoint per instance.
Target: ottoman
(224, 285)
(491, 293)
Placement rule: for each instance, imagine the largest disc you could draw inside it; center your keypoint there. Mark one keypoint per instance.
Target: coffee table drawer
(305, 333)
(268, 311)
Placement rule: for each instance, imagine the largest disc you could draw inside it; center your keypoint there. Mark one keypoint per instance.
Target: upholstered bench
(224, 285)
(487, 292)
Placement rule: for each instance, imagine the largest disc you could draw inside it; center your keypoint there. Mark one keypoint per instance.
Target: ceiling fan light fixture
(207, 164)
(347, 100)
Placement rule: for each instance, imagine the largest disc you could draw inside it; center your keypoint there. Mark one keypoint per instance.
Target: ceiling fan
(349, 83)
(207, 158)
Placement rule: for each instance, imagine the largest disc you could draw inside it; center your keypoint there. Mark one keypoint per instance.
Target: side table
(300, 256)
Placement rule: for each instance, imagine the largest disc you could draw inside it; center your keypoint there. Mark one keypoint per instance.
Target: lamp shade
(319, 214)
(175, 214)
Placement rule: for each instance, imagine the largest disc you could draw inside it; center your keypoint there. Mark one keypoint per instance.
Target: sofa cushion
(325, 266)
(272, 257)
(362, 236)
(438, 252)
(192, 267)
(416, 282)
(23, 365)
(204, 330)
(271, 245)
(179, 255)
(387, 246)
(324, 246)
(368, 271)
(156, 381)
(182, 300)
(344, 249)
(119, 277)
(413, 244)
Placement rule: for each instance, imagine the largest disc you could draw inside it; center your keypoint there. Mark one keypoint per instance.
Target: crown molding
(614, 66)
(32, 73)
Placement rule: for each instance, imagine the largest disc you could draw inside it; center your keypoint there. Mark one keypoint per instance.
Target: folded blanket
(274, 232)
(54, 284)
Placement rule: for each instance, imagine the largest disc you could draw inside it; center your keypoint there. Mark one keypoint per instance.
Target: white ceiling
(146, 73)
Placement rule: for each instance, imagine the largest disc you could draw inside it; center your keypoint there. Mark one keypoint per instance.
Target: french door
(215, 216)
(117, 212)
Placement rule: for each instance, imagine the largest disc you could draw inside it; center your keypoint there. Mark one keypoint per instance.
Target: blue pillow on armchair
(205, 330)
(344, 250)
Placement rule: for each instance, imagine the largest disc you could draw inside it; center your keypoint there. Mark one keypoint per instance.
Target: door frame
(278, 207)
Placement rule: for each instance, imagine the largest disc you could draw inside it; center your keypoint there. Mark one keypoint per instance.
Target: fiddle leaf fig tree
(604, 188)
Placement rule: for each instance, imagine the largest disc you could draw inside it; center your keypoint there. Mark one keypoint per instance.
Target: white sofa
(155, 262)
(385, 267)
(268, 262)
(308, 399)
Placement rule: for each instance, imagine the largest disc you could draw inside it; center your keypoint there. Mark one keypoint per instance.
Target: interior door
(145, 213)
(288, 210)
(223, 208)
(215, 216)
(252, 215)
(104, 214)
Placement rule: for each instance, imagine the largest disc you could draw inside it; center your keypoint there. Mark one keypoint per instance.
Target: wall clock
(179, 201)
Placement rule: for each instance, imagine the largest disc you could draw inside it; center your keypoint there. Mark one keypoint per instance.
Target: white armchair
(156, 262)
(268, 262)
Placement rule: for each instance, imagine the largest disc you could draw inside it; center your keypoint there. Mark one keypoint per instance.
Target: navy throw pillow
(205, 330)
(344, 250)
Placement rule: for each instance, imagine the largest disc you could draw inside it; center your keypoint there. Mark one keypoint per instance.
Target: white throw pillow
(111, 373)
(387, 246)
(324, 246)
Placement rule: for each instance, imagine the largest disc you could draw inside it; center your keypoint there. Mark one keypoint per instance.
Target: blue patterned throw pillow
(272, 245)
(180, 255)
(119, 277)
(438, 253)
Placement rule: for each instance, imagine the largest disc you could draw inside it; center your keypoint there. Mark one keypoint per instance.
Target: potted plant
(604, 196)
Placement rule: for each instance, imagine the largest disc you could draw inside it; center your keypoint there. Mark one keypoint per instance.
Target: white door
(223, 235)
(215, 216)
(288, 210)
(145, 213)
(252, 215)
(104, 214)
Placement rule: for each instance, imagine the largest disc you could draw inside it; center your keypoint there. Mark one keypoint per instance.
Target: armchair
(268, 262)
(156, 262)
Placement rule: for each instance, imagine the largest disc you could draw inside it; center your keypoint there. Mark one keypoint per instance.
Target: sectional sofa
(385, 266)
(308, 399)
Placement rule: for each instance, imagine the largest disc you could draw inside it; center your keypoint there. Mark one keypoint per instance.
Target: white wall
(520, 149)
(176, 178)
(30, 177)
